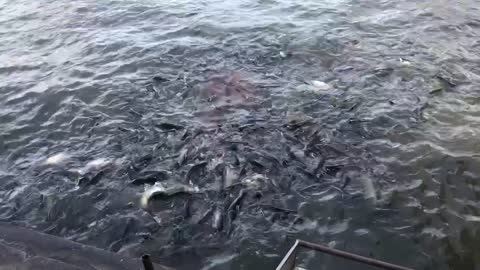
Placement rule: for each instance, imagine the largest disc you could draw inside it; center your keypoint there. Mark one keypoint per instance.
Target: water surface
(89, 84)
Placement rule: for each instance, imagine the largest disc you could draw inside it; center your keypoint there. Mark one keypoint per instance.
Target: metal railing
(288, 262)
(147, 262)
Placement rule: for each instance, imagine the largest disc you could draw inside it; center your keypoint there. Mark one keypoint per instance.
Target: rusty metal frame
(288, 262)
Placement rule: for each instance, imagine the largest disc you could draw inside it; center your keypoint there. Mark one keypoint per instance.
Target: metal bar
(288, 262)
(350, 256)
(147, 262)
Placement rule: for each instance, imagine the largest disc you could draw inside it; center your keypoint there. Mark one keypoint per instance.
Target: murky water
(383, 160)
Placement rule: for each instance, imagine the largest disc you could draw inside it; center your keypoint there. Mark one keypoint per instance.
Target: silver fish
(166, 190)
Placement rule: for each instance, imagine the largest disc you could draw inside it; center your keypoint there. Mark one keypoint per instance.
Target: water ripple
(389, 151)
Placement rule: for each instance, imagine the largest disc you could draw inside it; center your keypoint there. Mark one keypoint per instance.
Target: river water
(355, 123)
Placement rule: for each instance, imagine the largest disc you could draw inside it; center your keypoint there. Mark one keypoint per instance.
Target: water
(398, 129)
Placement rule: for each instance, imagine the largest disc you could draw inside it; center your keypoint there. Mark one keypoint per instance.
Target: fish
(346, 182)
(160, 79)
(234, 208)
(182, 157)
(296, 154)
(319, 165)
(275, 208)
(319, 86)
(187, 209)
(205, 215)
(149, 177)
(383, 71)
(264, 155)
(152, 89)
(229, 176)
(296, 120)
(166, 190)
(369, 189)
(332, 170)
(217, 223)
(142, 162)
(169, 126)
(57, 159)
(255, 181)
(87, 180)
(237, 201)
(186, 134)
(256, 163)
(196, 170)
(96, 164)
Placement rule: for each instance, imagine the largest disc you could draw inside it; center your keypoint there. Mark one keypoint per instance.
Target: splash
(57, 159)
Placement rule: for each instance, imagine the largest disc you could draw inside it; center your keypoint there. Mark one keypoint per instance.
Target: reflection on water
(99, 96)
